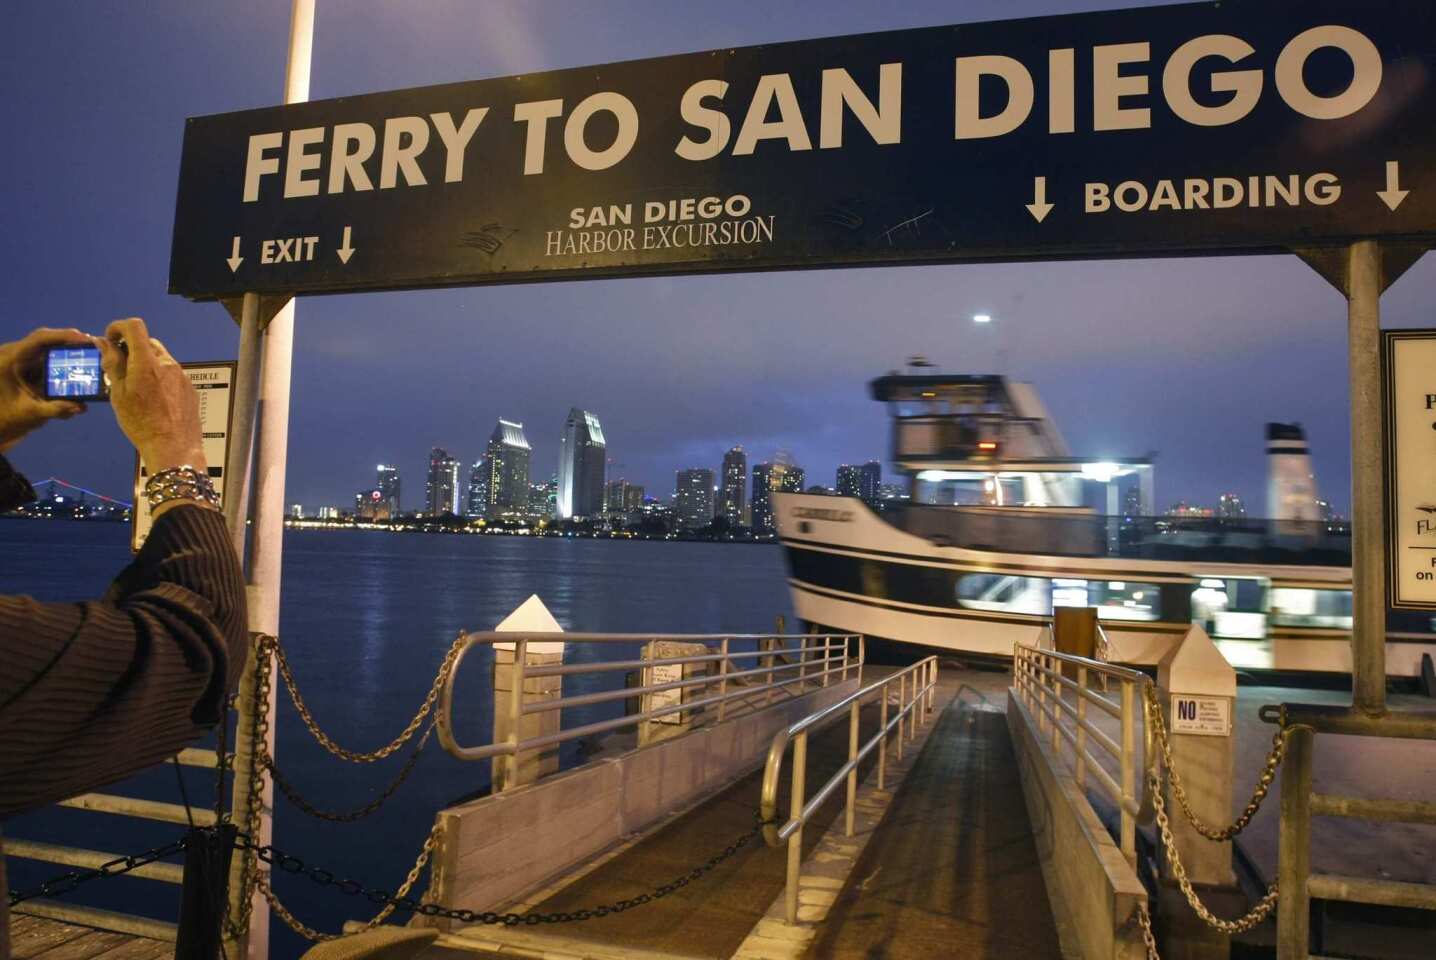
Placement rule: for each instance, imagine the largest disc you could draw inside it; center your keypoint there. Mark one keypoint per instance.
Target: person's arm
(93, 691)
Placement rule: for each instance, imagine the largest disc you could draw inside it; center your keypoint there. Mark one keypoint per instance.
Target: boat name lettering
(823, 513)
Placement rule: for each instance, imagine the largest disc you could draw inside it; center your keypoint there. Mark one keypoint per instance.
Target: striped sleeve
(92, 691)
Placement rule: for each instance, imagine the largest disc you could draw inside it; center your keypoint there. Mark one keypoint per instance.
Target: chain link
(65, 882)
(352, 756)
(402, 900)
(264, 647)
(1242, 924)
(350, 816)
(1268, 776)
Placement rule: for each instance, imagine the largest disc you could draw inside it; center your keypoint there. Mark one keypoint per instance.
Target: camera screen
(74, 373)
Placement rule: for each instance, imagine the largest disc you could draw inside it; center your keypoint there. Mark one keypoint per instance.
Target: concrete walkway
(953, 869)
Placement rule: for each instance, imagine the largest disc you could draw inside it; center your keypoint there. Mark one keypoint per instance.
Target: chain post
(1294, 847)
(207, 858)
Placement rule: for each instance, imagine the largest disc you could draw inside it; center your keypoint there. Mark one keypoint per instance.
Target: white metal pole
(271, 438)
(1368, 488)
(241, 439)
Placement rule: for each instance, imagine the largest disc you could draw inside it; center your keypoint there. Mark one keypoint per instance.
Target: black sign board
(1201, 128)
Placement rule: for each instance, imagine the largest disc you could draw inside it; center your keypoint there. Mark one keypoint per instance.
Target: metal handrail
(802, 809)
(1039, 682)
(787, 665)
(1299, 803)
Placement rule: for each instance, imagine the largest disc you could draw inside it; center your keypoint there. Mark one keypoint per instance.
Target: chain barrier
(401, 899)
(1268, 776)
(294, 797)
(352, 756)
(264, 647)
(65, 882)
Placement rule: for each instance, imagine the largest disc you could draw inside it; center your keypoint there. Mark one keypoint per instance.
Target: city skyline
(1185, 357)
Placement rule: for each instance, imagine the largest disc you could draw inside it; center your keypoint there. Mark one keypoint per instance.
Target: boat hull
(851, 571)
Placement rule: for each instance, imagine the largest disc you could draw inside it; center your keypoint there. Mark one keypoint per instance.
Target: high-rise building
(732, 487)
(693, 498)
(371, 505)
(388, 486)
(296, 511)
(770, 478)
(1230, 507)
(615, 492)
(508, 458)
(581, 456)
(850, 481)
(441, 492)
(477, 504)
(870, 482)
(633, 498)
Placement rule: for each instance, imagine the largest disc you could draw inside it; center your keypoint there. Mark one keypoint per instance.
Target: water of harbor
(366, 618)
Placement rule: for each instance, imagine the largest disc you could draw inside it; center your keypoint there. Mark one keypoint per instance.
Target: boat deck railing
(1069, 534)
(914, 687)
(736, 673)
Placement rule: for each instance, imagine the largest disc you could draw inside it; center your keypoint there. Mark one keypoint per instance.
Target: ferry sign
(1409, 371)
(1197, 128)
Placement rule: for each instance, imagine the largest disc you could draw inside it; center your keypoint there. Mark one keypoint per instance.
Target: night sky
(1187, 358)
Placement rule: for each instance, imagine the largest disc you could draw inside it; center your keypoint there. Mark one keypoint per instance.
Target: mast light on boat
(1102, 472)
(982, 318)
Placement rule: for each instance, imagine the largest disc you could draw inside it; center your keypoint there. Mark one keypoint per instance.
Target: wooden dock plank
(36, 938)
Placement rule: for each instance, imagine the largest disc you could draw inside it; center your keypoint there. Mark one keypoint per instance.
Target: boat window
(1114, 599)
(999, 592)
(1311, 608)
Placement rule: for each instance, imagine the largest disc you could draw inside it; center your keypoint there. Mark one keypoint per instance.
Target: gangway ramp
(953, 870)
(951, 867)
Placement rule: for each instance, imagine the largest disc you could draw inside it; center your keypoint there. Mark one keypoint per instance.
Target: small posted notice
(1203, 716)
(214, 382)
(1410, 396)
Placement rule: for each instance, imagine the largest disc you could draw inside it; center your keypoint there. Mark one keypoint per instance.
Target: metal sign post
(262, 402)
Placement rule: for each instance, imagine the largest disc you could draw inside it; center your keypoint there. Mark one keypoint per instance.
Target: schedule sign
(214, 382)
(1198, 128)
(1410, 372)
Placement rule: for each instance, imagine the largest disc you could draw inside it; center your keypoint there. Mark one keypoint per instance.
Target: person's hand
(154, 401)
(23, 406)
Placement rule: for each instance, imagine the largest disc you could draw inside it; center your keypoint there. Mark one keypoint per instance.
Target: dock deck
(34, 938)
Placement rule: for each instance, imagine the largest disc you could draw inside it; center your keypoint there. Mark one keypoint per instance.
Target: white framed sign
(214, 381)
(1409, 396)
(1203, 716)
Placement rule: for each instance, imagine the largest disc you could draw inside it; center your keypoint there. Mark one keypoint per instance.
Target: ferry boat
(1002, 524)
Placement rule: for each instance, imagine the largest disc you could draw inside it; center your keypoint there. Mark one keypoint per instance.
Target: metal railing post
(1129, 743)
(516, 715)
(827, 654)
(768, 662)
(1039, 681)
(1081, 769)
(1053, 679)
(932, 690)
(1293, 912)
(901, 705)
(795, 812)
(853, 773)
(802, 664)
(723, 681)
(883, 737)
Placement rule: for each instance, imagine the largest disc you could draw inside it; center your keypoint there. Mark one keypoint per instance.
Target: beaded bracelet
(180, 483)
